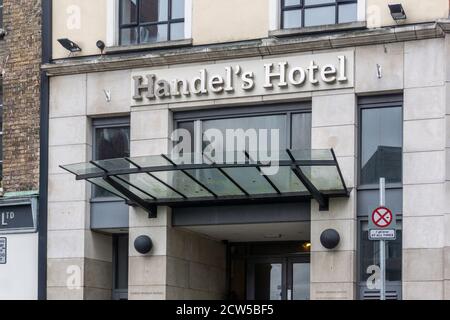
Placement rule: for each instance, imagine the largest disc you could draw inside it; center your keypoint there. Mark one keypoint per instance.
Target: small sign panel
(382, 224)
(382, 234)
(3, 250)
(17, 217)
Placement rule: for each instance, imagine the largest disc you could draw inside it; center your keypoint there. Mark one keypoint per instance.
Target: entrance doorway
(278, 279)
(270, 271)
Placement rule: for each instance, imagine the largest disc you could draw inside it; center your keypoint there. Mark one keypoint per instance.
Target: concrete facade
(188, 265)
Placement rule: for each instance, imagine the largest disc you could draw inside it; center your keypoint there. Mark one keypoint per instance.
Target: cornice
(263, 47)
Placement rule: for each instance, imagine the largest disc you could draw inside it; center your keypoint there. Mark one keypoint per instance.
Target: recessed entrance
(270, 271)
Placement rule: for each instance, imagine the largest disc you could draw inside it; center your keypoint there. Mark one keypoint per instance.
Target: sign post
(382, 227)
(382, 245)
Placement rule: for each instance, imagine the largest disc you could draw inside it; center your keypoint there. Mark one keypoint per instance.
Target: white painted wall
(19, 276)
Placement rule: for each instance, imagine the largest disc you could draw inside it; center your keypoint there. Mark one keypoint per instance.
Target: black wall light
(101, 45)
(330, 239)
(397, 12)
(69, 45)
(143, 244)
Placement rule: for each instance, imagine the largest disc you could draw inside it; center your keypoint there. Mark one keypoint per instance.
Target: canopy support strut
(317, 195)
(151, 209)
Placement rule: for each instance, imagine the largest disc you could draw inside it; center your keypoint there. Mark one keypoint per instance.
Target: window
(120, 267)
(308, 13)
(150, 21)
(381, 141)
(370, 256)
(380, 155)
(111, 141)
(292, 121)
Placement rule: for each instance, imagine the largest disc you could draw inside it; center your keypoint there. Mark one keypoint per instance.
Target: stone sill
(150, 46)
(248, 49)
(329, 28)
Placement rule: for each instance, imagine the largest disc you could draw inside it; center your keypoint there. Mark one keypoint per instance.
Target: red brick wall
(21, 94)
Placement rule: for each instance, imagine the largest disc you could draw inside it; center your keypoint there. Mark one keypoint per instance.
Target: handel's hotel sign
(299, 73)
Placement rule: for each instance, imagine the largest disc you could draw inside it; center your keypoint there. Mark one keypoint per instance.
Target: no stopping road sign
(382, 224)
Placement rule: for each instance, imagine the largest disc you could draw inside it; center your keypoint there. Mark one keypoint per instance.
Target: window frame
(120, 26)
(288, 109)
(118, 293)
(275, 14)
(104, 123)
(303, 7)
(378, 102)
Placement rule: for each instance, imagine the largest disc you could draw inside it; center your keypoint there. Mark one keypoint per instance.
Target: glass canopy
(227, 178)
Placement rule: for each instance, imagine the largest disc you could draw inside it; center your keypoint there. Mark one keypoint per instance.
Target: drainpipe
(43, 161)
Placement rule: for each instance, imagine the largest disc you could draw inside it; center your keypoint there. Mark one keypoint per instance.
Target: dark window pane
(110, 143)
(301, 131)
(129, 11)
(370, 255)
(301, 277)
(121, 263)
(277, 122)
(129, 36)
(315, 2)
(189, 126)
(154, 10)
(348, 13)
(292, 19)
(154, 33)
(292, 2)
(177, 9)
(177, 31)
(320, 16)
(381, 145)
(268, 281)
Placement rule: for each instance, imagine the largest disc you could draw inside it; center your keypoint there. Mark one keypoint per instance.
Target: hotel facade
(335, 94)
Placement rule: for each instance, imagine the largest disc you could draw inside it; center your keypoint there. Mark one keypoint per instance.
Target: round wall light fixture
(330, 239)
(101, 45)
(143, 244)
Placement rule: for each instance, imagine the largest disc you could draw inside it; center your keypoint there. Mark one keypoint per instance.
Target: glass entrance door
(278, 279)
(299, 271)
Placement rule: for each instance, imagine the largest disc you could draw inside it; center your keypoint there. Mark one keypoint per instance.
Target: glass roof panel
(182, 183)
(286, 181)
(103, 184)
(150, 185)
(114, 164)
(324, 178)
(143, 194)
(214, 180)
(208, 158)
(307, 155)
(83, 168)
(150, 161)
(251, 180)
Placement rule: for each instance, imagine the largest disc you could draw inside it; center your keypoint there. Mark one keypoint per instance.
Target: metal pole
(382, 246)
